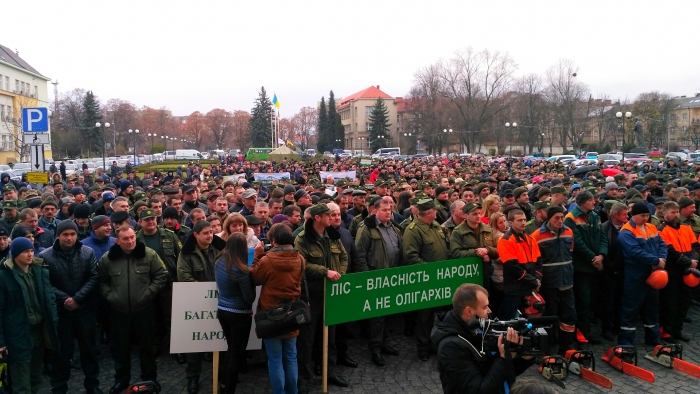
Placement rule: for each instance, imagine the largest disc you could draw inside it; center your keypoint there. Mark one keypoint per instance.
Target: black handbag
(283, 319)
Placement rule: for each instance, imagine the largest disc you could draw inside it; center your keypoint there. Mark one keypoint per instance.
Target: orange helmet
(533, 305)
(658, 279)
(691, 278)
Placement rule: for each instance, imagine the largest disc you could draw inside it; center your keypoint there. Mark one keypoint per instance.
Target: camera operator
(463, 366)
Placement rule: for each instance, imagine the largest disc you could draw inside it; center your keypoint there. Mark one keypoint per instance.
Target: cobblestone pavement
(406, 374)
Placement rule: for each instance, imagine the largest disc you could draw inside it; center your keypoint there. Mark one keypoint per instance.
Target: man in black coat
(73, 275)
(463, 369)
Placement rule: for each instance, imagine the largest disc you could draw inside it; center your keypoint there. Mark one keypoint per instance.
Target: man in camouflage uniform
(10, 218)
(456, 218)
(424, 241)
(473, 238)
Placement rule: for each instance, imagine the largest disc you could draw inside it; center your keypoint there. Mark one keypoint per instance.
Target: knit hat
(440, 189)
(582, 197)
(124, 184)
(289, 189)
(49, 201)
(279, 218)
(77, 190)
(543, 192)
(553, 210)
(82, 211)
(639, 208)
(99, 221)
(300, 193)
(66, 225)
(170, 212)
(19, 245)
(650, 177)
(107, 197)
(118, 217)
(685, 201)
(519, 191)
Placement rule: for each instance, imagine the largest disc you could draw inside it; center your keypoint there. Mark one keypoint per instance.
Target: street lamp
(542, 143)
(514, 125)
(621, 126)
(151, 135)
(338, 141)
(100, 126)
(136, 134)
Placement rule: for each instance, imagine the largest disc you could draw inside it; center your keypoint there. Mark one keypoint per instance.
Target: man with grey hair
(610, 283)
(680, 192)
(456, 216)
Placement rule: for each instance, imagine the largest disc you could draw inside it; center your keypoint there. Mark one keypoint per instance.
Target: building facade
(355, 111)
(21, 86)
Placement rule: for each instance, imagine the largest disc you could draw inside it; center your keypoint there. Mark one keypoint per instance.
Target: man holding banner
(379, 244)
(326, 257)
(424, 241)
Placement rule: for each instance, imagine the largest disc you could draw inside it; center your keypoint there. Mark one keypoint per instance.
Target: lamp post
(542, 143)
(101, 126)
(338, 141)
(445, 135)
(151, 135)
(621, 126)
(408, 146)
(514, 125)
(136, 134)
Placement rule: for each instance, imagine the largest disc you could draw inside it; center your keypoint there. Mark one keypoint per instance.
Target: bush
(492, 151)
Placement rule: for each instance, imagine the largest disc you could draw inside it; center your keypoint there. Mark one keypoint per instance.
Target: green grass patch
(171, 165)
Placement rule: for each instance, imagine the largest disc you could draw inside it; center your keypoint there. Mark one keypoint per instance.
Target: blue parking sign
(35, 120)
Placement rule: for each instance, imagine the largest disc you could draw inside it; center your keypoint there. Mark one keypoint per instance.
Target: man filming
(463, 367)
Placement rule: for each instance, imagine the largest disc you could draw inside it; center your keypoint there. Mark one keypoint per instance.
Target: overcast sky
(200, 55)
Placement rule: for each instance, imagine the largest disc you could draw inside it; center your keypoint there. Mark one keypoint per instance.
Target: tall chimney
(378, 87)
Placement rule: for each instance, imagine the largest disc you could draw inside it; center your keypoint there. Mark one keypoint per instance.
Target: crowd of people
(92, 257)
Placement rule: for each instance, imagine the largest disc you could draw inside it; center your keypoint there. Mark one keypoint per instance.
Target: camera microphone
(474, 323)
(543, 320)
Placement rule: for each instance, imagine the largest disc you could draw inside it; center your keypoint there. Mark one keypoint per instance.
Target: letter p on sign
(35, 120)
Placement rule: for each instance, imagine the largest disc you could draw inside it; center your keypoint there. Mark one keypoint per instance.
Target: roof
(371, 92)
(13, 59)
(687, 102)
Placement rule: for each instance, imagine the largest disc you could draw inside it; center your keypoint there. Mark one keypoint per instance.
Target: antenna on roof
(17, 51)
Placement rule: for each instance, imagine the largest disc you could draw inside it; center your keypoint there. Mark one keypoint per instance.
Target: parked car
(677, 156)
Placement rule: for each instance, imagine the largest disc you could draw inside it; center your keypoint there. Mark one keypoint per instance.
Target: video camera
(531, 330)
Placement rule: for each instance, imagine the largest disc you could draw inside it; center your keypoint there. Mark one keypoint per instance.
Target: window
(16, 85)
(7, 83)
(368, 111)
(368, 126)
(36, 93)
(1, 82)
(685, 116)
(2, 113)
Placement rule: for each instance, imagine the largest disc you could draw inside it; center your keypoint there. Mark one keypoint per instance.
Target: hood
(3, 175)
(285, 260)
(448, 324)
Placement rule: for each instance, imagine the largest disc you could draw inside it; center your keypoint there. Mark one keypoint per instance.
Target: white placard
(195, 327)
(337, 175)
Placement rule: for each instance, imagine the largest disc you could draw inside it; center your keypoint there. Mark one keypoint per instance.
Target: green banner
(384, 292)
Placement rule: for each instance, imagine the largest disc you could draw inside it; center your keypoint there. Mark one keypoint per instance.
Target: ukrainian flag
(275, 102)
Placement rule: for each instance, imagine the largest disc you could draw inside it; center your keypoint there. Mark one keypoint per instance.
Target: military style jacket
(424, 243)
(322, 252)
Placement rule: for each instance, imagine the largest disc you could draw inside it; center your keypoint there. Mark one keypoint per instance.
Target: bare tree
(123, 116)
(530, 110)
(240, 130)
(219, 122)
(566, 97)
(475, 83)
(655, 110)
(427, 107)
(195, 128)
(304, 124)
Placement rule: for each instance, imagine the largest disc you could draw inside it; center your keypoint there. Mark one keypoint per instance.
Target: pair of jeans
(80, 327)
(236, 327)
(310, 333)
(282, 364)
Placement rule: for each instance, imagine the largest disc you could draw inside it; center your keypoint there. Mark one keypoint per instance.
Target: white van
(382, 152)
(187, 154)
(169, 155)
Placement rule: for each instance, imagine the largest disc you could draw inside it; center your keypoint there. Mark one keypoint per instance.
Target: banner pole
(324, 377)
(215, 372)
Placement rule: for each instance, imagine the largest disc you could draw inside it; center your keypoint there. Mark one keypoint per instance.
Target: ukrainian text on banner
(266, 178)
(195, 327)
(384, 292)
